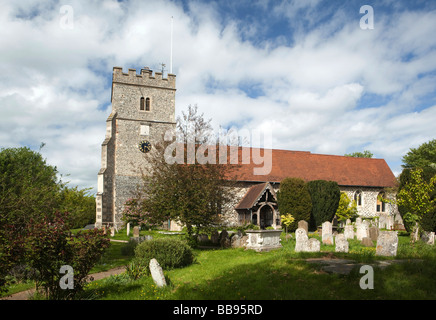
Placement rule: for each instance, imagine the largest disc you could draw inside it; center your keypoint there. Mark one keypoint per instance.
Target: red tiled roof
(346, 171)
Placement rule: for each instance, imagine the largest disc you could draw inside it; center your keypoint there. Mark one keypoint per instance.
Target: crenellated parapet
(144, 78)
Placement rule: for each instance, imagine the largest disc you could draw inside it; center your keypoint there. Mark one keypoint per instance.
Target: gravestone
(428, 237)
(387, 244)
(304, 244)
(112, 231)
(362, 231)
(128, 229)
(341, 243)
(366, 242)
(203, 238)
(327, 236)
(301, 240)
(349, 231)
(373, 233)
(304, 225)
(136, 232)
(157, 273)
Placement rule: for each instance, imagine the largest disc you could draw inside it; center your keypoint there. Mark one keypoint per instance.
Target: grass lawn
(238, 274)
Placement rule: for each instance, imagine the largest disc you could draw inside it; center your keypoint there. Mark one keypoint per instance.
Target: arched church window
(381, 204)
(147, 104)
(358, 197)
(142, 104)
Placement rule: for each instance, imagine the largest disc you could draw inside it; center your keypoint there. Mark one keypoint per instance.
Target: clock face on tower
(144, 146)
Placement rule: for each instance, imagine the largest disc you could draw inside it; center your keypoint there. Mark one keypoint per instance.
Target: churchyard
(282, 273)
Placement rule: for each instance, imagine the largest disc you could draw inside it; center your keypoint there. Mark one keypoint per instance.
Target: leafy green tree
(287, 220)
(415, 199)
(421, 157)
(293, 197)
(325, 197)
(347, 209)
(364, 154)
(80, 204)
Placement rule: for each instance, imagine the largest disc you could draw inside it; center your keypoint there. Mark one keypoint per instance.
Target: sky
(322, 76)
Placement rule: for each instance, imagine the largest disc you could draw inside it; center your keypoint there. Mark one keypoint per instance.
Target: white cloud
(55, 83)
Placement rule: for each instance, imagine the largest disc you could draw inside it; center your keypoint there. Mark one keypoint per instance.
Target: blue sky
(304, 70)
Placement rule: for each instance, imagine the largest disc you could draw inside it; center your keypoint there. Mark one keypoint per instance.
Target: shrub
(293, 197)
(169, 252)
(325, 197)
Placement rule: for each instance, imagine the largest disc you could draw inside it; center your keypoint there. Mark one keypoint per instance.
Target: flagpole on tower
(171, 48)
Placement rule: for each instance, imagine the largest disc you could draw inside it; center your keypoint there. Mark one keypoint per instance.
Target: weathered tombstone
(301, 240)
(136, 232)
(366, 242)
(128, 229)
(341, 243)
(387, 244)
(112, 231)
(348, 222)
(157, 273)
(327, 236)
(313, 245)
(428, 237)
(304, 225)
(382, 221)
(304, 244)
(373, 233)
(224, 239)
(358, 221)
(390, 222)
(349, 231)
(362, 231)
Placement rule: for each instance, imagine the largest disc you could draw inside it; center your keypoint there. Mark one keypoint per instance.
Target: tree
(415, 199)
(80, 204)
(347, 209)
(325, 197)
(293, 197)
(364, 154)
(187, 190)
(287, 220)
(421, 157)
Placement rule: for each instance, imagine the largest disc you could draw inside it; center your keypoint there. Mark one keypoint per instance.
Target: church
(143, 109)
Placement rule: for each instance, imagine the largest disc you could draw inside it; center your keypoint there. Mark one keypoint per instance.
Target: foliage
(364, 154)
(293, 197)
(137, 268)
(325, 197)
(169, 252)
(347, 209)
(49, 246)
(28, 187)
(135, 214)
(80, 204)
(287, 220)
(415, 198)
(422, 157)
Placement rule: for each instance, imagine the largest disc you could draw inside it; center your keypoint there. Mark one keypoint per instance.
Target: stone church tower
(143, 109)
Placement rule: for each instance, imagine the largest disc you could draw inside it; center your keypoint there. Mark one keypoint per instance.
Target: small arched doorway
(266, 216)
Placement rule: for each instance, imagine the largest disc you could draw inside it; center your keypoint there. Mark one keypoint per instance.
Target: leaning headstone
(387, 244)
(303, 224)
(327, 236)
(373, 233)
(367, 242)
(349, 231)
(341, 243)
(301, 240)
(136, 231)
(157, 273)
